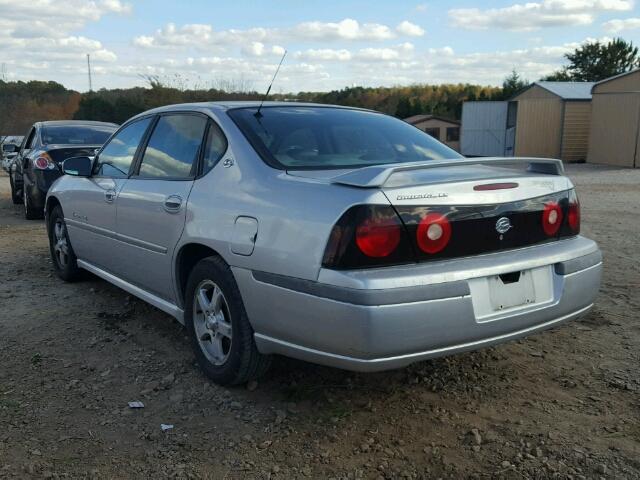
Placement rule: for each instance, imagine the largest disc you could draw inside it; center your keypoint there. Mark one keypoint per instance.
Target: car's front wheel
(217, 323)
(62, 254)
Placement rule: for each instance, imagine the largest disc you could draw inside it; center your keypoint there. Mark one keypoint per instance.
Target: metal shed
(484, 131)
(615, 121)
(553, 120)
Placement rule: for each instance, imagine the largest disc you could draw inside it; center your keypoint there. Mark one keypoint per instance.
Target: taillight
(368, 236)
(551, 218)
(434, 233)
(44, 162)
(573, 213)
(378, 237)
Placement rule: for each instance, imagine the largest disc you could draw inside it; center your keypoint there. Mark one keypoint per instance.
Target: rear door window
(28, 144)
(215, 147)
(173, 147)
(116, 157)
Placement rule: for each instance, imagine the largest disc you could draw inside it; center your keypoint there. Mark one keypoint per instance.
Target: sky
(329, 44)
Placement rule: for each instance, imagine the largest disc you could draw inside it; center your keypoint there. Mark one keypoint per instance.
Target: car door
(90, 203)
(152, 203)
(18, 164)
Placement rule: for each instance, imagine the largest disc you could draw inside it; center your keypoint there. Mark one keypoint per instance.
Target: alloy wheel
(61, 245)
(212, 322)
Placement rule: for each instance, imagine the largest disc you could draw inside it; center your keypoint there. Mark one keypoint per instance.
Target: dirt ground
(561, 404)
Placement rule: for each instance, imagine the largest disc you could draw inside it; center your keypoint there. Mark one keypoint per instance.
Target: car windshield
(76, 134)
(302, 137)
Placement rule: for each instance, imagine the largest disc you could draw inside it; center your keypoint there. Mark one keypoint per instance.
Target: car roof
(71, 123)
(227, 105)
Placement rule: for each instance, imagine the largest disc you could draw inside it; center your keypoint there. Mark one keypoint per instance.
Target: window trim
(446, 134)
(28, 138)
(433, 130)
(137, 152)
(200, 172)
(134, 172)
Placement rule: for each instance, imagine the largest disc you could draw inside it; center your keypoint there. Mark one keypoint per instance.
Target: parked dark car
(43, 149)
(9, 146)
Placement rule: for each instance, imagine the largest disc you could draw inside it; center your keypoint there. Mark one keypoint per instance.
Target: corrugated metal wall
(539, 127)
(483, 129)
(575, 134)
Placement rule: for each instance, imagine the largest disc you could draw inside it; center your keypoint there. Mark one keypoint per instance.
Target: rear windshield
(298, 137)
(76, 134)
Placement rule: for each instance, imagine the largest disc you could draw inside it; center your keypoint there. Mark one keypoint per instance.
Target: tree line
(22, 103)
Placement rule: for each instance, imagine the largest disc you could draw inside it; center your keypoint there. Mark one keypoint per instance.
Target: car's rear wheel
(30, 212)
(220, 332)
(15, 195)
(64, 259)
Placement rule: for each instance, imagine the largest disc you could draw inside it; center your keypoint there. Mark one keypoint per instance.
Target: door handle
(173, 203)
(110, 195)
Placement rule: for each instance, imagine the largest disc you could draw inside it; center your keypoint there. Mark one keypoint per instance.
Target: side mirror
(9, 148)
(77, 166)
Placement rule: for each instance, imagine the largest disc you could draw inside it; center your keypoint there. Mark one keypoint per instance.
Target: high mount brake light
(434, 233)
(495, 186)
(551, 218)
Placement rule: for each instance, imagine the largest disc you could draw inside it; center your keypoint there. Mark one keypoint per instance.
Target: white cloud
(385, 54)
(421, 7)
(325, 54)
(535, 15)
(39, 35)
(204, 36)
(254, 49)
(618, 25)
(64, 15)
(347, 29)
(410, 29)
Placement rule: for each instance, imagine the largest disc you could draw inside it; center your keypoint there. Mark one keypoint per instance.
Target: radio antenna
(258, 114)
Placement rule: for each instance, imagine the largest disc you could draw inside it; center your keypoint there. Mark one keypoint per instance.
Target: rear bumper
(438, 311)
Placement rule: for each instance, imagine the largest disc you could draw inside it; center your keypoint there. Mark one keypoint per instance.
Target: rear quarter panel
(295, 215)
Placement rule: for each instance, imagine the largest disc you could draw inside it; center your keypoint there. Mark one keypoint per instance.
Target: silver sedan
(335, 235)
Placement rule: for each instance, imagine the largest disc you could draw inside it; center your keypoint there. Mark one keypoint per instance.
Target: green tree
(512, 84)
(595, 61)
(404, 108)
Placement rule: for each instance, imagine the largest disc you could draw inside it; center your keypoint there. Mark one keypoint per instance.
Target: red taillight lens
(44, 162)
(573, 214)
(378, 237)
(434, 233)
(551, 218)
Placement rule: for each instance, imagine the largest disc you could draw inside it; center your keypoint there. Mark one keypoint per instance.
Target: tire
(65, 262)
(15, 197)
(222, 341)
(30, 212)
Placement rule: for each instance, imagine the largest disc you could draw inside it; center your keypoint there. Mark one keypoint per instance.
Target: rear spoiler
(377, 175)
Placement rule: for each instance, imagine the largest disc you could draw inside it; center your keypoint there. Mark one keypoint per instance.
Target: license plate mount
(506, 293)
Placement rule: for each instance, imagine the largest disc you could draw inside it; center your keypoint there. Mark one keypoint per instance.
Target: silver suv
(335, 235)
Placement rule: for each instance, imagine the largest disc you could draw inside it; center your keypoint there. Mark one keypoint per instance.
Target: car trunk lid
(59, 153)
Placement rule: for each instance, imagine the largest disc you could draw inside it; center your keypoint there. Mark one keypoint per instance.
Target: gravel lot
(562, 404)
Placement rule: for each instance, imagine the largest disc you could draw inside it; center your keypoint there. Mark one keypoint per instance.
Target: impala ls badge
(503, 225)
